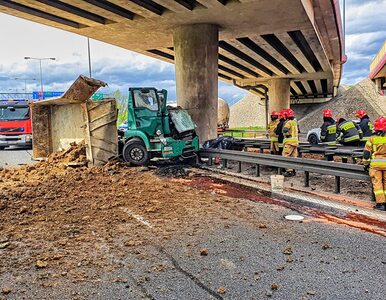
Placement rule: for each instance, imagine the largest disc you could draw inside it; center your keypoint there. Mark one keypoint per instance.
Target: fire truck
(15, 124)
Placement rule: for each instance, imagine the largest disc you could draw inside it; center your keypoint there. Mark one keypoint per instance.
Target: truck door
(147, 113)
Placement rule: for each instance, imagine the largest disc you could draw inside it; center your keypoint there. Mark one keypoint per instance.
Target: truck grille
(12, 129)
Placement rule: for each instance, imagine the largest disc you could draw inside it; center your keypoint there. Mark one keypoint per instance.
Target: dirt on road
(53, 216)
(116, 232)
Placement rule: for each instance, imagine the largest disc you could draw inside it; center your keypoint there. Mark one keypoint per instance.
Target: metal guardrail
(301, 164)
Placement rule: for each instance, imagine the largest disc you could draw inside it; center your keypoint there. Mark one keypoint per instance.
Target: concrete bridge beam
(279, 94)
(196, 61)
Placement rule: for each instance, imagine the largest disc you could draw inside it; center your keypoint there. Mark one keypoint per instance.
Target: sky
(121, 69)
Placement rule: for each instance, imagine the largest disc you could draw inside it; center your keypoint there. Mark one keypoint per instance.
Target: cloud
(365, 34)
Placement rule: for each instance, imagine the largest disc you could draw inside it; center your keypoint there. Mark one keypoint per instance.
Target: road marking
(137, 217)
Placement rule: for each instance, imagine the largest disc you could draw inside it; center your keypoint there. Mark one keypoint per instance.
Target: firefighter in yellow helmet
(374, 155)
(291, 139)
(272, 132)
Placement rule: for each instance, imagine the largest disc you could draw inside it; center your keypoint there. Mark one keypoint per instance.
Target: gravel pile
(248, 112)
(361, 96)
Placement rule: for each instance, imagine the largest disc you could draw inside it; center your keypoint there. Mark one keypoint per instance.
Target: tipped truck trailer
(15, 124)
(72, 118)
(155, 129)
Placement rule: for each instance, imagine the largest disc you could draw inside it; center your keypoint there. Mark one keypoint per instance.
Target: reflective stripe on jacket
(290, 132)
(348, 131)
(272, 130)
(366, 127)
(376, 146)
(328, 133)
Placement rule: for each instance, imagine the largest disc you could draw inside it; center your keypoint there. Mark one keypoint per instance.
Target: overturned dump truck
(155, 129)
(74, 118)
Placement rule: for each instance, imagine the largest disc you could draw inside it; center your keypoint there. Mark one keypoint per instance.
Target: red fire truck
(15, 124)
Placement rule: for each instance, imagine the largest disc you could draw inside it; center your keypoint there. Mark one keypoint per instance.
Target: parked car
(313, 136)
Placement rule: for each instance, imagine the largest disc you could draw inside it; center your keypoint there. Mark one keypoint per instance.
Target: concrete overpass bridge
(293, 48)
(378, 69)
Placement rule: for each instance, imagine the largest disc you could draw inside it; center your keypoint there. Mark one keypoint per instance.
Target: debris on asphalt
(274, 287)
(204, 252)
(311, 292)
(4, 245)
(6, 290)
(287, 251)
(221, 290)
(173, 171)
(41, 264)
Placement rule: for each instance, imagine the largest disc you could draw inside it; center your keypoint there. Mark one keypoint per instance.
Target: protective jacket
(375, 151)
(279, 132)
(374, 155)
(366, 127)
(348, 132)
(290, 132)
(272, 130)
(328, 132)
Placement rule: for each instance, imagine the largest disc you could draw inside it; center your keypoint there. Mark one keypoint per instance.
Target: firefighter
(348, 132)
(374, 156)
(272, 132)
(279, 131)
(328, 129)
(291, 140)
(365, 125)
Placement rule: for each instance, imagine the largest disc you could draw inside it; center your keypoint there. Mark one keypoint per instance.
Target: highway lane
(15, 156)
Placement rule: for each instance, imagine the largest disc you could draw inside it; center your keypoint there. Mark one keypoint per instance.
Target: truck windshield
(14, 113)
(146, 99)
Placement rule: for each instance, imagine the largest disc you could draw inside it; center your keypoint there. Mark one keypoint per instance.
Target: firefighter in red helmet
(279, 130)
(374, 156)
(328, 129)
(365, 125)
(272, 132)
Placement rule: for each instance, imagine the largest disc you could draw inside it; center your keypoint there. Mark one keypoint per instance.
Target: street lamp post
(25, 82)
(41, 73)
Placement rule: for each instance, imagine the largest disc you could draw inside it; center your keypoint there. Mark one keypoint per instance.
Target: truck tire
(2, 147)
(135, 153)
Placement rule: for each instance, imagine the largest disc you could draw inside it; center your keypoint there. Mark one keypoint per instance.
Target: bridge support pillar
(196, 61)
(279, 94)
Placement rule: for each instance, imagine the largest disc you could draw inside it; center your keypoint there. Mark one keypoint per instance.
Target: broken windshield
(14, 113)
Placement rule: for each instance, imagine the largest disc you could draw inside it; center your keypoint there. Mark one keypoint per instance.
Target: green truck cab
(156, 130)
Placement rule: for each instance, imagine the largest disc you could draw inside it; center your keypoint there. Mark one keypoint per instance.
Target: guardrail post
(344, 160)
(239, 167)
(224, 163)
(257, 170)
(337, 184)
(279, 171)
(306, 179)
(242, 134)
(329, 157)
(210, 162)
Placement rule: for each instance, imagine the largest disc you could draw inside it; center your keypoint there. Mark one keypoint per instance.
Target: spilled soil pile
(62, 222)
(363, 95)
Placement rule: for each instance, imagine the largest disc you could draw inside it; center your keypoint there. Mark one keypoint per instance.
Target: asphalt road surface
(15, 156)
(251, 252)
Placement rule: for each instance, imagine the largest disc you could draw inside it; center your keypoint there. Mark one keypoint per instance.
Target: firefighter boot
(380, 206)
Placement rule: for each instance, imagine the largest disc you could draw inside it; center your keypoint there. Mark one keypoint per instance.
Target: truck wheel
(135, 153)
(2, 147)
